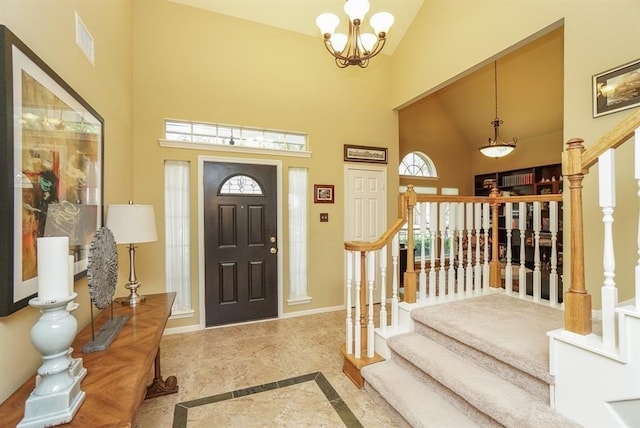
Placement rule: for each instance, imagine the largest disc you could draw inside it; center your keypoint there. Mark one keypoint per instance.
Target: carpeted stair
(482, 361)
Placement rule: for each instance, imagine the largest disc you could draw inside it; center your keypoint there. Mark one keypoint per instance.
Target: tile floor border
(181, 410)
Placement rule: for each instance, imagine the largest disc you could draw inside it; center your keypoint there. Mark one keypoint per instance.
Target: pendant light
(496, 147)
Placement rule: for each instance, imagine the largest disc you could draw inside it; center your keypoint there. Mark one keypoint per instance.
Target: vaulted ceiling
(530, 79)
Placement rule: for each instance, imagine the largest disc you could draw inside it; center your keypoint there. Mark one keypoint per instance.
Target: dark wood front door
(240, 225)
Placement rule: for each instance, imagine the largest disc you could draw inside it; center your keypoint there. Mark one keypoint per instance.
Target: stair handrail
(576, 162)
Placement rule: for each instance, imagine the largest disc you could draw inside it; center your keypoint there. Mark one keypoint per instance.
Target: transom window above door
(241, 185)
(212, 134)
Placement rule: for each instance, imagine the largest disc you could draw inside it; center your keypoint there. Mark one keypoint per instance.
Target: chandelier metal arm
(352, 53)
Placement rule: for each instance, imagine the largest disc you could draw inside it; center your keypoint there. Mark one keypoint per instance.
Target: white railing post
(522, 225)
(358, 329)
(383, 288)
(452, 249)
(395, 256)
(637, 177)
(442, 273)
(607, 200)
(433, 229)
(536, 252)
(508, 224)
(423, 231)
(477, 269)
(460, 231)
(349, 321)
(486, 224)
(371, 280)
(469, 272)
(553, 275)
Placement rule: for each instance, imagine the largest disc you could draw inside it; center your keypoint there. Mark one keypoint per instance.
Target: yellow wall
(48, 28)
(453, 37)
(201, 66)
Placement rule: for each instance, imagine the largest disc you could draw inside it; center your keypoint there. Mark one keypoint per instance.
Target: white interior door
(365, 203)
(365, 206)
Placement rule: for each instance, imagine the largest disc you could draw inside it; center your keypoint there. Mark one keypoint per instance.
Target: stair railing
(576, 163)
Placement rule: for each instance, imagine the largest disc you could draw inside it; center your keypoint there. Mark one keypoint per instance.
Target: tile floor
(278, 373)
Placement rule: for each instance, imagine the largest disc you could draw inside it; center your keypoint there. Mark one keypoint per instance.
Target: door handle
(273, 250)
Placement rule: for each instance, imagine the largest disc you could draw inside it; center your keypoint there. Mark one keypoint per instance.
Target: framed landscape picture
(53, 157)
(365, 154)
(323, 193)
(616, 89)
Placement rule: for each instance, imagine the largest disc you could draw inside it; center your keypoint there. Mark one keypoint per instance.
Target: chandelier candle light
(356, 48)
(496, 147)
(57, 395)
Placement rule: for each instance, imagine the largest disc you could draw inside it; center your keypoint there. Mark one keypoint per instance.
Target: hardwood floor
(262, 374)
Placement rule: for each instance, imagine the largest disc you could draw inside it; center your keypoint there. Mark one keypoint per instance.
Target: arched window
(240, 185)
(417, 164)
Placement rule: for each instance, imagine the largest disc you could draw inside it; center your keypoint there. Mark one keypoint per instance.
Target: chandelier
(496, 147)
(356, 48)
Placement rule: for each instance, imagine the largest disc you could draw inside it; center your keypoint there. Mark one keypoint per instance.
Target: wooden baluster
(577, 313)
(460, 231)
(410, 274)
(536, 253)
(423, 256)
(395, 256)
(370, 258)
(433, 228)
(508, 223)
(522, 272)
(607, 200)
(383, 289)
(494, 268)
(349, 320)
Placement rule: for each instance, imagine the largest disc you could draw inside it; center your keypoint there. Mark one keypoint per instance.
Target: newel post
(410, 274)
(577, 314)
(494, 265)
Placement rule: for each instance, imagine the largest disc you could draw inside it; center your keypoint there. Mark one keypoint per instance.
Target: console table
(116, 380)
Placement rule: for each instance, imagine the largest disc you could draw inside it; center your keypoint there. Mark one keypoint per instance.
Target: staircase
(482, 361)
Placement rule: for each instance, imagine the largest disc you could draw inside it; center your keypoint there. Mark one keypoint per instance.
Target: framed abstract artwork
(51, 166)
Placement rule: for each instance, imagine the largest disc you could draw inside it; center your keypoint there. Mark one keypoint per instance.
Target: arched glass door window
(417, 164)
(241, 185)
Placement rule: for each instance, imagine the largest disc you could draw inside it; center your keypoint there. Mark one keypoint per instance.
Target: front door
(240, 242)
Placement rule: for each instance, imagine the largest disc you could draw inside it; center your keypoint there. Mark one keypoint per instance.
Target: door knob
(273, 250)
(272, 239)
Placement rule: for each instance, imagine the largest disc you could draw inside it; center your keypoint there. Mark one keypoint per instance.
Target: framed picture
(323, 193)
(52, 163)
(365, 154)
(616, 89)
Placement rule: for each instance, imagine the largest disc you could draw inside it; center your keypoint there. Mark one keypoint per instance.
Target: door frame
(249, 161)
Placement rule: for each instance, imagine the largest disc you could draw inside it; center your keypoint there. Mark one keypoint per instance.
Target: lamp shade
(132, 224)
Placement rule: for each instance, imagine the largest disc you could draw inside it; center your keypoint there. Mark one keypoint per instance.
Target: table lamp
(132, 224)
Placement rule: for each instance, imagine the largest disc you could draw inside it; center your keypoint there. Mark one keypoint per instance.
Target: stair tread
(489, 393)
(415, 401)
(509, 329)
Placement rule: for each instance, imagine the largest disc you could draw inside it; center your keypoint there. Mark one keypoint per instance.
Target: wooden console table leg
(160, 386)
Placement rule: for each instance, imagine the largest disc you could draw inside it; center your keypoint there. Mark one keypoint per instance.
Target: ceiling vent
(84, 39)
